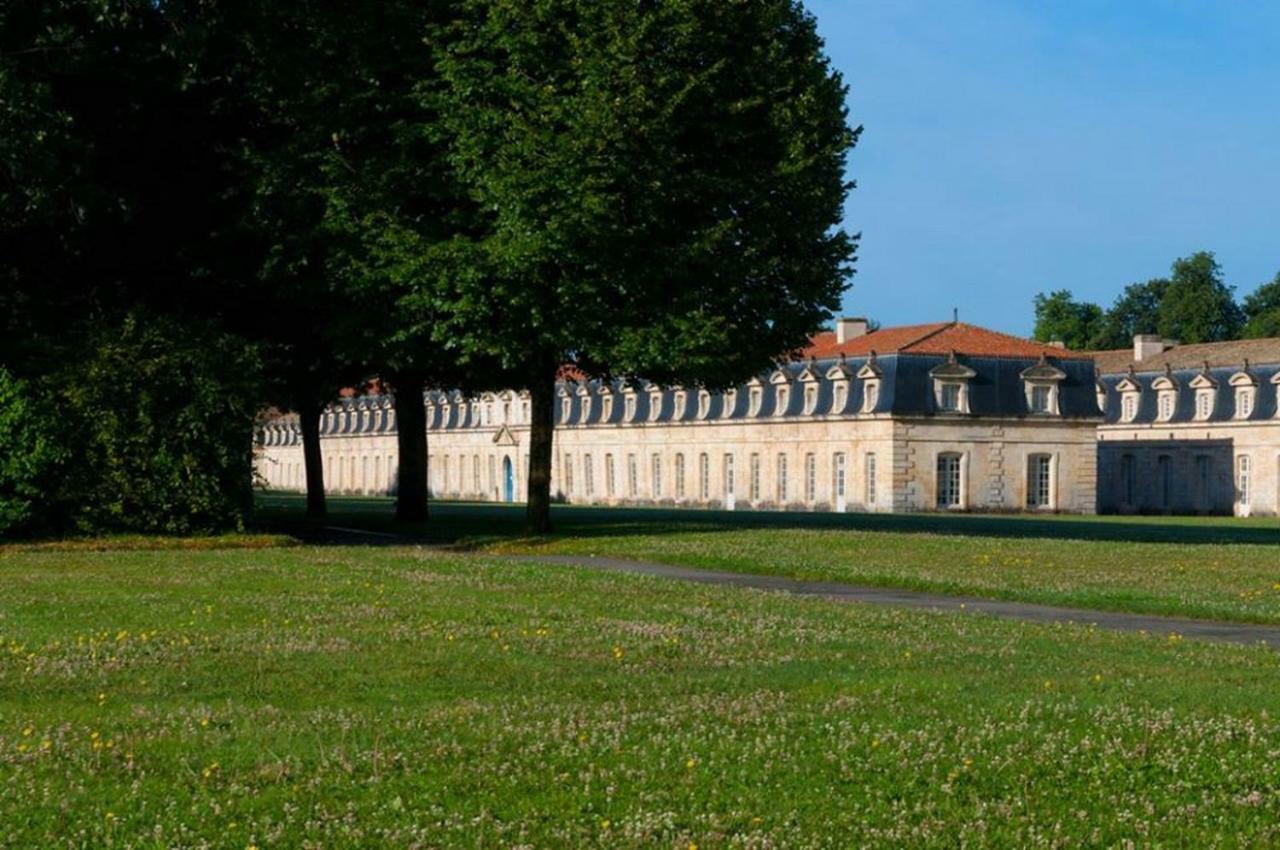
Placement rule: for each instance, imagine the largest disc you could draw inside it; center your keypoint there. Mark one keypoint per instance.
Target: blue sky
(1011, 148)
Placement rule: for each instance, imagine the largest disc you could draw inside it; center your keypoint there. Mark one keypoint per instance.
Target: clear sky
(1015, 147)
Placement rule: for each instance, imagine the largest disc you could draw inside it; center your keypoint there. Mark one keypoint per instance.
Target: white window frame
(679, 463)
(870, 395)
(949, 491)
(869, 475)
(754, 472)
(781, 478)
(588, 476)
(1041, 481)
(704, 476)
(655, 472)
(811, 478)
(1204, 404)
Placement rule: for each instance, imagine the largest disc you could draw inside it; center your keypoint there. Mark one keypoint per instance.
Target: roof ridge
(942, 326)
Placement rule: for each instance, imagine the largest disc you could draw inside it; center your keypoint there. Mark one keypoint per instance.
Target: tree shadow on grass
(463, 525)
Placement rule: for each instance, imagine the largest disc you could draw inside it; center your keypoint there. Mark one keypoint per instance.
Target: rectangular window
(704, 477)
(633, 486)
(1204, 404)
(1243, 480)
(1162, 479)
(730, 484)
(839, 395)
(1244, 402)
(871, 478)
(493, 476)
(1039, 399)
(1202, 481)
(1129, 406)
(608, 476)
(1040, 481)
(950, 397)
(568, 475)
(948, 482)
(755, 477)
(475, 474)
(782, 479)
(679, 476)
(657, 476)
(871, 396)
(1128, 478)
(810, 478)
(838, 476)
(588, 477)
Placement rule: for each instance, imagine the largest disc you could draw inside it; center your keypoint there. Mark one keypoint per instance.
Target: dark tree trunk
(313, 462)
(542, 394)
(411, 440)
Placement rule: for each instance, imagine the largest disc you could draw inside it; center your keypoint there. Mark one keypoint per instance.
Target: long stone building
(944, 416)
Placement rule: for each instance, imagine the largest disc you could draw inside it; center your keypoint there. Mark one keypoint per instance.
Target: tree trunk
(313, 462)
(542, 392)
(411, 440)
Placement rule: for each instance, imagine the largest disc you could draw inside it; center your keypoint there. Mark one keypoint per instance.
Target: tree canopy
(658, 190)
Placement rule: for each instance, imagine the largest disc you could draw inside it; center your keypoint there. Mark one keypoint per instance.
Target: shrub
(30, 455)
(161, 418)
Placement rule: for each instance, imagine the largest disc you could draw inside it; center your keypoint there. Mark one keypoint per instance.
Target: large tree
(1135, 311)
(1262, 311)
(1059, 317)
(658, 189)
(1197, 305)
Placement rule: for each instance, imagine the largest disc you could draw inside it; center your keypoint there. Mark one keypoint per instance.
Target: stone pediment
(1043, 371)
(952, 369)
(505, 437)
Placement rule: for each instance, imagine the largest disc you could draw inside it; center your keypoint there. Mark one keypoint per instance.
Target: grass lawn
(1212, 567)
(395, 697)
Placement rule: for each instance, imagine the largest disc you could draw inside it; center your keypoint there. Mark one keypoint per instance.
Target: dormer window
(1041, 383)
(951, 385)
(1244, 402)
(607, 408)
(682, 401)
(629, 407)
(839, 396)
(1100, 395)
(1165, 404)
(870, 395)
(730, 403)
(565, 406)
(810, 397)
(1129, 406)
(1206, 389)
(655, 405)
(1246, 386)
(704, 404)
(949, 396)
(1204, 404)
(784, 400)
(756, 396)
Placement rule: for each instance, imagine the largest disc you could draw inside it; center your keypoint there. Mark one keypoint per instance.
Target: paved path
(1246, 633)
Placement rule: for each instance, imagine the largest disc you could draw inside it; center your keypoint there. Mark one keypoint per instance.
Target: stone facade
(931, 417)
(1190, 429)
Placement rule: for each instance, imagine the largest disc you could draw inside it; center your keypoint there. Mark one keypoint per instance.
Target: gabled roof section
(935, 338)
(952, 369)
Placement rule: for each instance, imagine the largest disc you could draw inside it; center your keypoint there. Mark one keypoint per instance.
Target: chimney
(1057, 343)
(847, 329)
(1147, 345)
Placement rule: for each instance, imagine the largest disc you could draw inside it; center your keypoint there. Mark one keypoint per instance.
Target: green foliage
(681, 158)
(1135, 311)
(1262, 311)
(29, 457)
(1197, 305)
(159, 426)
(1060, 317)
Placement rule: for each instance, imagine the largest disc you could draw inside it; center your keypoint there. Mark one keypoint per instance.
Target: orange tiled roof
(935, 338)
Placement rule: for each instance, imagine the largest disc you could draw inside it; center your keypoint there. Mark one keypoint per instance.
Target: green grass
(396, 697)
(1209, 567)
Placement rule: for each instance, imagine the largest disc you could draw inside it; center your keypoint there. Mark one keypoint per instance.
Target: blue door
(508, 481)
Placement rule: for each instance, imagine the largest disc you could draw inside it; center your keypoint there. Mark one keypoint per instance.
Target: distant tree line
(213, 207)
(1193, 304)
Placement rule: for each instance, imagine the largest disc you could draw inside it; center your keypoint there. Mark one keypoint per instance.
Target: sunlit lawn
(1214, 567)
(396, 697)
